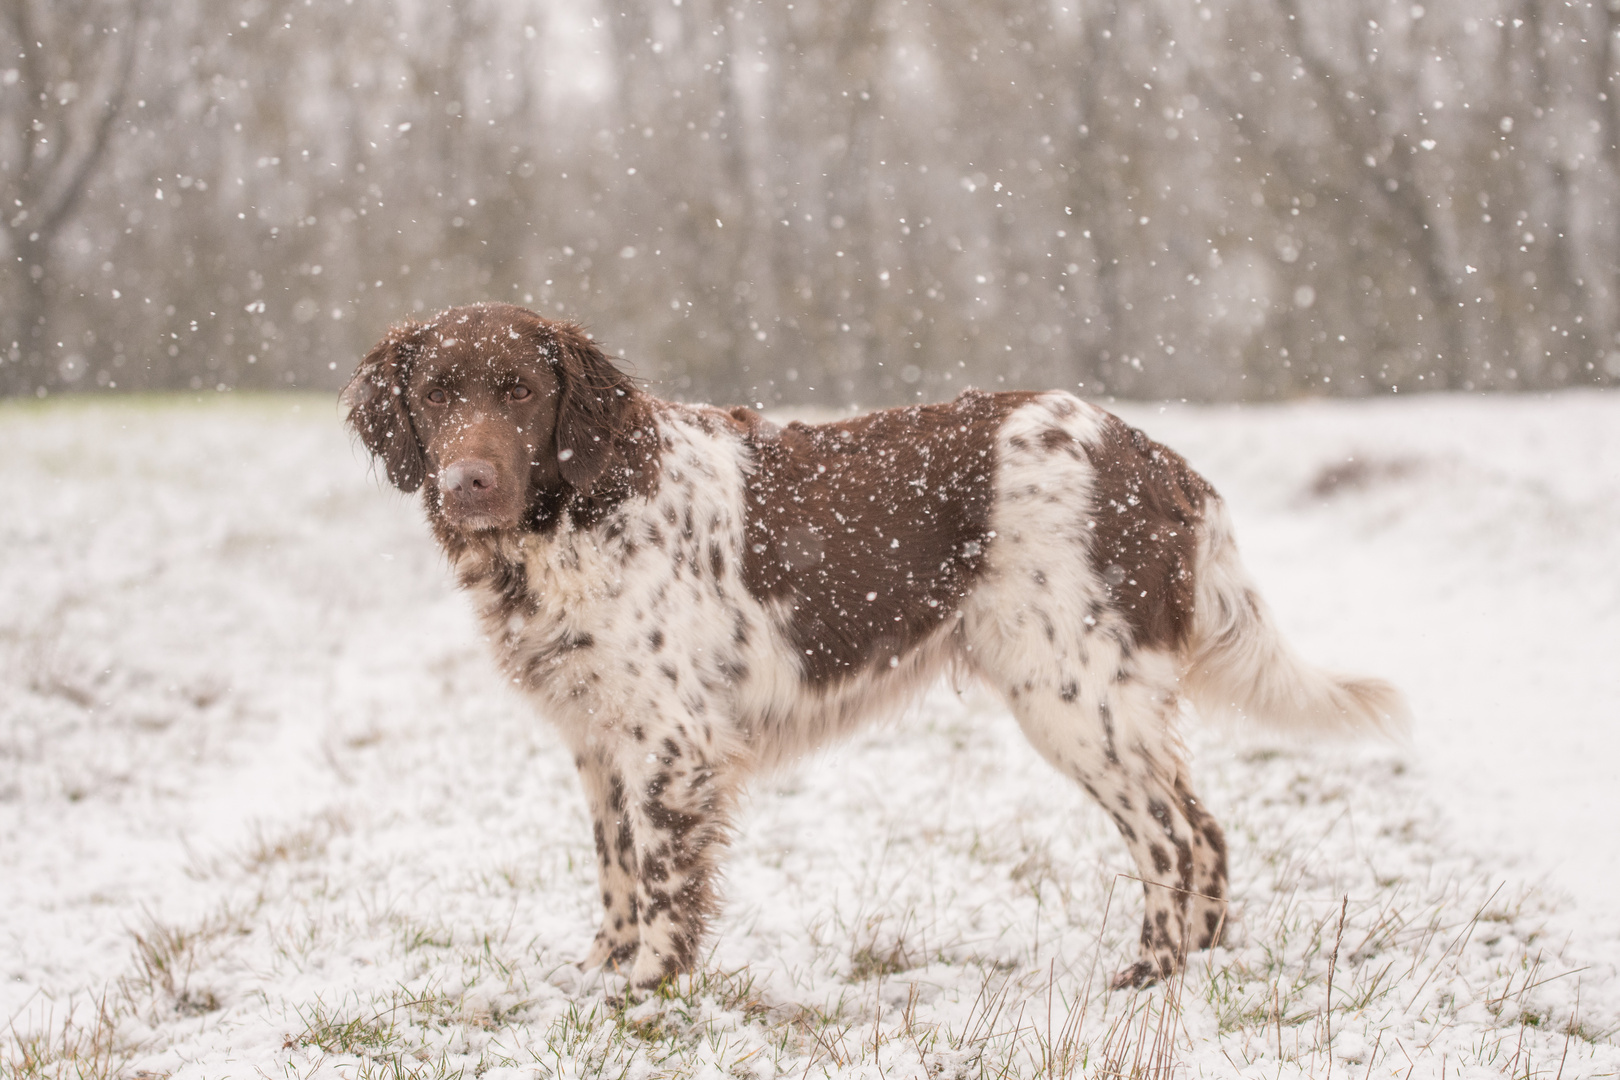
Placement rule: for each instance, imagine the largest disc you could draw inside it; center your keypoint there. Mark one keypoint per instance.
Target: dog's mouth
(476, 515)
(478, 521)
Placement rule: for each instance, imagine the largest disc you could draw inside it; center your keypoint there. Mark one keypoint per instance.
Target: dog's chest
(641, 609)
(543, 603)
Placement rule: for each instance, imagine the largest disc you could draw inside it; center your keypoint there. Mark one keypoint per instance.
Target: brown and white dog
(693, 594)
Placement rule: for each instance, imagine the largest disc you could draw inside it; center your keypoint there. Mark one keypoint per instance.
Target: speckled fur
(1100, 585)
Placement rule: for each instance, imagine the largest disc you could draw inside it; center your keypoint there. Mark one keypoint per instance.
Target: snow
(265, 808)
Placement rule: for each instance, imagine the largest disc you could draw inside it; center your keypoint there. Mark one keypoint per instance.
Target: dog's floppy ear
(377, 410)
(594, 411)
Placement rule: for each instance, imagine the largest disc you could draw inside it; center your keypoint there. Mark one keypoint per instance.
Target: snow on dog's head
(506, 417)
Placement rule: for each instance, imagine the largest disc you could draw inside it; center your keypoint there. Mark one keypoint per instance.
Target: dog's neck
(582, 531)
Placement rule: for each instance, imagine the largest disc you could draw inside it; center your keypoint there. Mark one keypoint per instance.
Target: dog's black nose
(469, 478)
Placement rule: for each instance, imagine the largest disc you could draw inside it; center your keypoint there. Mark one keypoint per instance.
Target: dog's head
(505, 416)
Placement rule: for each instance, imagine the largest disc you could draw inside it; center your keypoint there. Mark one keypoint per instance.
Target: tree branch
(72, 188)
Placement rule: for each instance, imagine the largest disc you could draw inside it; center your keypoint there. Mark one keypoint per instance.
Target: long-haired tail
(1238, 664)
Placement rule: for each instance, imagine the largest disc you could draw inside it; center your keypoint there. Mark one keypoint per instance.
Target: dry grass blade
(80, 1048)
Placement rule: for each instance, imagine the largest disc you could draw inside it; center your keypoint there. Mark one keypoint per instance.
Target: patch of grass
(675, 1019)
(332, 1030)
(875, 961)
(1140, 1044)
(878, 955)
(85, 1045)
(416, 936)
(166, 961)
(302, 844)
(385, 1039)
(401, 1068)
(584, 1037)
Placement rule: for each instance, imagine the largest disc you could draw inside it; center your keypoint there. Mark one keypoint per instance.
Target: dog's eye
(437, 396)
(519, 392)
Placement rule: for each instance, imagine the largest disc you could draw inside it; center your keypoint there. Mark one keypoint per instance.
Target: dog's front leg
(678, 798)
(619, 936)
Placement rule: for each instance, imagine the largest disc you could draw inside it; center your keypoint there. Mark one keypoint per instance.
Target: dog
(694, 594)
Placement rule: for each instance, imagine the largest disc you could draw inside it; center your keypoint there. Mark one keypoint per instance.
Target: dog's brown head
(507, 417)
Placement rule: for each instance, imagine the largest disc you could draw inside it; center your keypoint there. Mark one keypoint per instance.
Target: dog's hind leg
(617, 940)
(1110, 726)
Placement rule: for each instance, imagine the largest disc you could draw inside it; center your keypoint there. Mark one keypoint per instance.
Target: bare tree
(75, 63)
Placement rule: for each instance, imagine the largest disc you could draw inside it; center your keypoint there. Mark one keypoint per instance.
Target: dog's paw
(650, 969)
(610, 952)
(578, 981)
(1143, 973)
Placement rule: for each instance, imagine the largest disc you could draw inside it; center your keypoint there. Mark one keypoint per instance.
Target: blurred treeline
(821, 200)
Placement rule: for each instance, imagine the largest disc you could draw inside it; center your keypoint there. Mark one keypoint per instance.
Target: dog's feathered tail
(1237, 663)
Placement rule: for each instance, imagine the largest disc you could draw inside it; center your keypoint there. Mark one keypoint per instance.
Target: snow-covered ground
(264, 811)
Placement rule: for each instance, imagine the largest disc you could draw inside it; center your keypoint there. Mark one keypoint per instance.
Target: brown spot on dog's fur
(1146, 503)
(1204, 824)
(1106, 715)
(873, 529)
